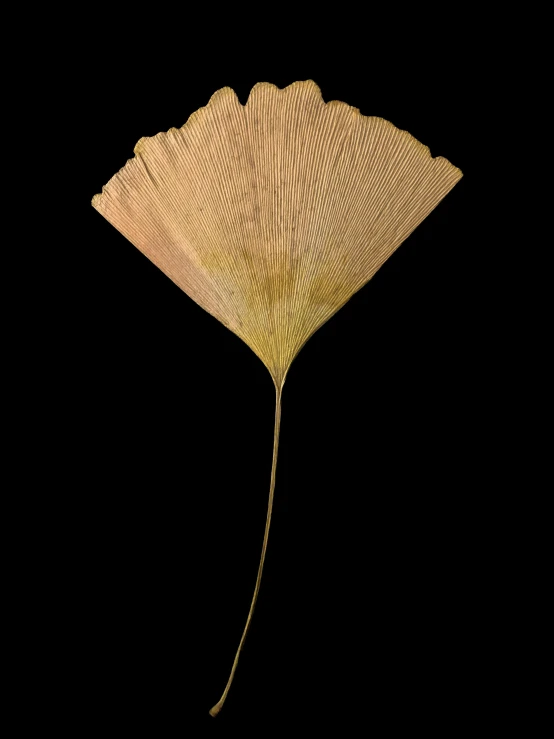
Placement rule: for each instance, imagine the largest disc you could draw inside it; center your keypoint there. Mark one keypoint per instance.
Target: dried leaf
(273, 214)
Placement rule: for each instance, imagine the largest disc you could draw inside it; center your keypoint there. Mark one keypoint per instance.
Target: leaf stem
(219, 705)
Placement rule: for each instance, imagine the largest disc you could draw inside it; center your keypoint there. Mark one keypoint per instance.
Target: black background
(373, 606)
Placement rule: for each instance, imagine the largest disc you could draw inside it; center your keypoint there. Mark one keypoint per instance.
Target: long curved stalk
(219, 705)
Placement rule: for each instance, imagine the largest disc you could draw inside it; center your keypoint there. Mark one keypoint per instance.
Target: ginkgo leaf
(273, 214)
